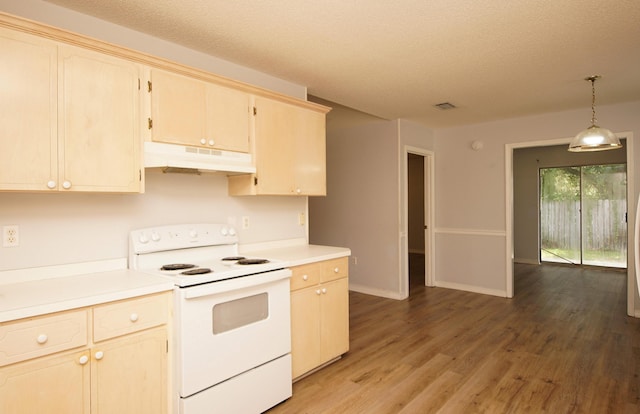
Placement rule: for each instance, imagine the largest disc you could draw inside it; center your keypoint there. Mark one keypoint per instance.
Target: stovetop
(208, 251)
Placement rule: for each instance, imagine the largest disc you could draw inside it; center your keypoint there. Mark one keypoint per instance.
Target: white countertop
(297, 255)
(38, 297)
(75, 286)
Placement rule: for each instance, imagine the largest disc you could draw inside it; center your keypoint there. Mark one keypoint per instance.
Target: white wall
(60, 228)
(470, 190)
(362, 210)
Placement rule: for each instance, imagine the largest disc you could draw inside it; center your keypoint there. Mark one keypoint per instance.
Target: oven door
(226, 328)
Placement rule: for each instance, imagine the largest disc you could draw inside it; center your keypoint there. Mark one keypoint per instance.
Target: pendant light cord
(593, 101)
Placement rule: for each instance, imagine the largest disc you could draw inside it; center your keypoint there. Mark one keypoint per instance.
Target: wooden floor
(563, 344)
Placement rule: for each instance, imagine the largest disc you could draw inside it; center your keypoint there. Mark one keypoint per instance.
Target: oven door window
(240, 312)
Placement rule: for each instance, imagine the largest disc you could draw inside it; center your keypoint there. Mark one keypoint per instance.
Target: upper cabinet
(75, 111)
(99, 130)
(28, 112)
(289, 151)
(69, 116)
(193, 112)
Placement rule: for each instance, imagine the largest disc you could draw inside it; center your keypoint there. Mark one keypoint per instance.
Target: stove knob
(224, 231)
(143, 238)
(193, 233)
(155, 236)
(232, 231)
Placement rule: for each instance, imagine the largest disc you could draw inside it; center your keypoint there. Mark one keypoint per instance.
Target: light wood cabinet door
(334, 319)
(129, 374)
(290, 152)
(228, 114)
(49, 385)
(188, 111)
(319, 314)
(99, 131)
(305, 330)
(28, 112)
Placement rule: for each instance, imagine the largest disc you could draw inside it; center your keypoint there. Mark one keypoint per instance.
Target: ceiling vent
(445, 106)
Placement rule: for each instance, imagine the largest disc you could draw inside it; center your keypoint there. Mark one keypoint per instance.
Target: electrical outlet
(10, 236)
(302, 219)
(245, 222)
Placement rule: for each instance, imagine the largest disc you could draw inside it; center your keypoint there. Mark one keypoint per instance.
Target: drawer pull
(83, 360)
(336, 270)
(305, 277)
(133, 317)
(42, 339)
(99, 355)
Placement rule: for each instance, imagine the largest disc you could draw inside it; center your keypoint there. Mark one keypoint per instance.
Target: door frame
(429, 242)
(631, 197)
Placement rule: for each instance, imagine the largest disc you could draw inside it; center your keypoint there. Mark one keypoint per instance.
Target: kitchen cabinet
(319, 314)
(189, 111)
(69, 118)
(289, 151)
(105, 359)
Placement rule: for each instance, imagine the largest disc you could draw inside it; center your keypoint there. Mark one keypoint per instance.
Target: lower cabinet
(125, 374)
(319, 314)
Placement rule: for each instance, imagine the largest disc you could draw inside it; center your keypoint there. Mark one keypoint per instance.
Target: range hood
(159, 155)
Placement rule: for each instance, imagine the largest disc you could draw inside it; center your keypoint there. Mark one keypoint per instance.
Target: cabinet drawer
(43, 335)
(305, 275)
(335, 269)
(121, 318)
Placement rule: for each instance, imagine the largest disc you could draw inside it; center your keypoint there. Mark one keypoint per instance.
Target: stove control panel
(181, 236)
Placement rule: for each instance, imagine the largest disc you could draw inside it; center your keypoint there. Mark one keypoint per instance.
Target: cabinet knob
(203, 141)
(317, 291)
(51, 184)
(83, 360)
(336, 270)
(298, 190)
(133, 317)
(211, 142)
(42, 339)
(305, 277)
(66, 185)
(324, 290)
(99, 355)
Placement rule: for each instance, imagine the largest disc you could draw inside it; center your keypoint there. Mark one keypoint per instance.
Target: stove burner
(252, 261)
(232, 258)
(177, 266)
(198, 271)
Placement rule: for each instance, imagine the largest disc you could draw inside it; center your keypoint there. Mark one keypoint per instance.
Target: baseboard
(526, 261)
(376, 292)
(470, 288)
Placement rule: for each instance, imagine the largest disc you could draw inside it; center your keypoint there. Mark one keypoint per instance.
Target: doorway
(419, 218)
(512, 198)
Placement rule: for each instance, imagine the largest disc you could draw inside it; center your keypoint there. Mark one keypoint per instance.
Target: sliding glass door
(583, 215)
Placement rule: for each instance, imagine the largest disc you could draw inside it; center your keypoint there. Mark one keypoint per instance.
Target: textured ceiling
(493, 59)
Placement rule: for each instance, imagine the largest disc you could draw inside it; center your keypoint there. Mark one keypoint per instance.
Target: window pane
(560, 214)
(604, 207)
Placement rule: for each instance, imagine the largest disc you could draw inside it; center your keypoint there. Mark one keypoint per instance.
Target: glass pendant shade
(594, 138)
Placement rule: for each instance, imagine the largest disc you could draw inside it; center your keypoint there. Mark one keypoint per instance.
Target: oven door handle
(224, 286)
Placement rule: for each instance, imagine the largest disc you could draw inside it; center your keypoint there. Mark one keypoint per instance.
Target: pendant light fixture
(594, 138)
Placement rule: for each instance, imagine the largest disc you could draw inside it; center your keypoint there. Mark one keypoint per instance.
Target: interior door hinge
(150, 122)
(255, 180)
(140, 175)
(138, 83)
(149, 86)
(255, 111)
(167, 346)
